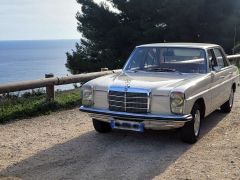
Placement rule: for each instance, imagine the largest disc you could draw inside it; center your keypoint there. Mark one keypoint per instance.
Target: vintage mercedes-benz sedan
(163, 86)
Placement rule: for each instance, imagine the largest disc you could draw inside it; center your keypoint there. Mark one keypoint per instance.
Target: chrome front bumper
(151, 121)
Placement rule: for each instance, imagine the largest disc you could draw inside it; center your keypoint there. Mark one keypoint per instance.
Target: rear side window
(221, 61)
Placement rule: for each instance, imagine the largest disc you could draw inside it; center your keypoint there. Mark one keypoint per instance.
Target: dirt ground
(65, 146)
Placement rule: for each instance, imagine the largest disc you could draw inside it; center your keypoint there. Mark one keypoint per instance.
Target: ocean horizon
(23, 60)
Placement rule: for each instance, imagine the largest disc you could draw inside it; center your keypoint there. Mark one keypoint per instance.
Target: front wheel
(190, 131)
(101, 127)
(227, 106)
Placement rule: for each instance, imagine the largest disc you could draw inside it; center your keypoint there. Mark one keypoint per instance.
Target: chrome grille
(129, 100)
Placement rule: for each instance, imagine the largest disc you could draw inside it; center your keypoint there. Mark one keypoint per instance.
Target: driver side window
(151, 58)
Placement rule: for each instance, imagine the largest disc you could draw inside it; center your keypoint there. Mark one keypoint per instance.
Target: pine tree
(109, 37)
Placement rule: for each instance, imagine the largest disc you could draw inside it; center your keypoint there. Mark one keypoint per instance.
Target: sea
(30, 60)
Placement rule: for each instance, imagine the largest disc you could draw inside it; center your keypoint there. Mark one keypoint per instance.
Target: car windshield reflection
(171, 59)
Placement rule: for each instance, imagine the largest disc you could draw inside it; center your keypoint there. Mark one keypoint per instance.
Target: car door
(220, 72)
(215, 80)
(226, 74)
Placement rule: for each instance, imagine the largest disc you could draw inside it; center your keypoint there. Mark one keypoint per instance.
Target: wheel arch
(234, 86)
(202, 105)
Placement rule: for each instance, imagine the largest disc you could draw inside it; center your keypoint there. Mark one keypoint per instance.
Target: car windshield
(167, 59)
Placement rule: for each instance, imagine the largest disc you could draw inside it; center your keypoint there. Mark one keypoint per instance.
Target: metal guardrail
(25, 85)
(235, 56)
(50, 82)
(234, 59)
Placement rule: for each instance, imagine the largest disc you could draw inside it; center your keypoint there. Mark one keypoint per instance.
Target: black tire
(188, 132)
(101, 127)
(227, 106)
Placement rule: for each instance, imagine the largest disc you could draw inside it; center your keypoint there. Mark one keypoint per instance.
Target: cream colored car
(163, 86)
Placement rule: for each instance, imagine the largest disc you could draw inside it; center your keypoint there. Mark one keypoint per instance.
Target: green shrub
(34, 104)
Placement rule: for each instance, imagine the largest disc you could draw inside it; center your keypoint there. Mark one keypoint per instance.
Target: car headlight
(177, 100)
(87, 95)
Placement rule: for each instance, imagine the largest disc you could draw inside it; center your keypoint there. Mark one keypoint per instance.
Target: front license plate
(127, 125)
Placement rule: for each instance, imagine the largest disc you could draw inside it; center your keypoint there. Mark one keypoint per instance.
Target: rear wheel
(227, 106)
(101, 127)
(190, 131)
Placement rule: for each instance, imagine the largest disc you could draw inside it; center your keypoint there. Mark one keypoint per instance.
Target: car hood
(158, 83)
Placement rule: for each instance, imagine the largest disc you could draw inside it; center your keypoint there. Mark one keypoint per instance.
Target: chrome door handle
(222, 77)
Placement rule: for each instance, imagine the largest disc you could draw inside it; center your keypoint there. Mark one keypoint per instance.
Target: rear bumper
(151, 121)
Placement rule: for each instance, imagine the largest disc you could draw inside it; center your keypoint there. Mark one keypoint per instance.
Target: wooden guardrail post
(50, 89)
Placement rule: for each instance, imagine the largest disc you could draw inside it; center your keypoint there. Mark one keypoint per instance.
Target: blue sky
(35, 19)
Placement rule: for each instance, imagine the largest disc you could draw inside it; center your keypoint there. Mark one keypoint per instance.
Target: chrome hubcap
(231, 99)
(197, 120)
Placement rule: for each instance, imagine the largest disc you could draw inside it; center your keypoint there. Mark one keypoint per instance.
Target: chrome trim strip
(127, 107)
(149, 101)
(126, 102)
(156, 95)
(181, 118)
(131, 90)
(148, 124)
(107, 117)
(127, 97)
(98, 90)
(125, 90)
(211, 88)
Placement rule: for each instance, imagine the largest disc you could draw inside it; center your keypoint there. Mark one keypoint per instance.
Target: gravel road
(65, 146)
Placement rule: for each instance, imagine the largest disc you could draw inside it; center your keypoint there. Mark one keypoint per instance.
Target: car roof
(186, 45)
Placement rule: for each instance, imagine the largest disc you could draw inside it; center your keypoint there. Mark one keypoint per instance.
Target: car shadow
(117, 155)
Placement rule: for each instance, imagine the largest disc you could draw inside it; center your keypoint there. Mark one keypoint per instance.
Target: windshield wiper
(134, 71)
(162, 69)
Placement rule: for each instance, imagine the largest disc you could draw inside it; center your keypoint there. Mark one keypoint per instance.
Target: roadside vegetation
(13, 107)
(236, 48)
